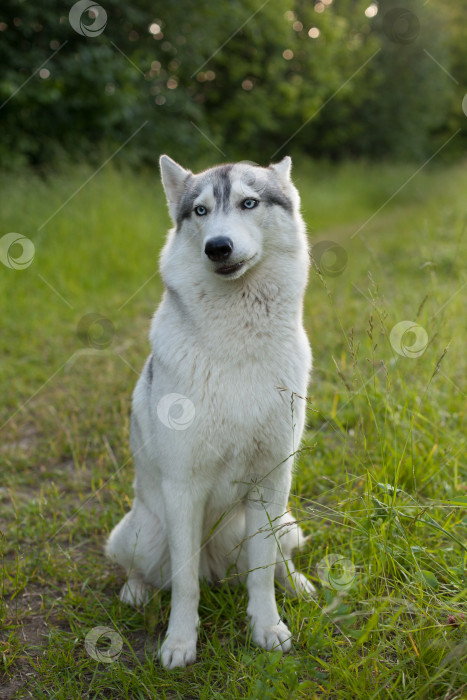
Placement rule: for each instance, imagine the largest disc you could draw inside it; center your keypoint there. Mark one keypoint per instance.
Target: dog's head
(232, 216)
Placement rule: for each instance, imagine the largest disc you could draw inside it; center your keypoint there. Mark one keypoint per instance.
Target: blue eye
(200, 210)
(249, 203)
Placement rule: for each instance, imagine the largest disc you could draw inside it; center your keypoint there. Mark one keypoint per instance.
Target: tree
(244, 76)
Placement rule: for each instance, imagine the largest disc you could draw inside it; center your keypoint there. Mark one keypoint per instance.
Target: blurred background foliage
(347, 78)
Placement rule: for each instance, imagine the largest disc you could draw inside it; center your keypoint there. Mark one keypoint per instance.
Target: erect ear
(173, 180)
(282, 168)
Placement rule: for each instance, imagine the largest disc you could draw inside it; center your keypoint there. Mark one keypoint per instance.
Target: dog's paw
(135, 592)
(177, 652)
(272, 636)
(297, 584)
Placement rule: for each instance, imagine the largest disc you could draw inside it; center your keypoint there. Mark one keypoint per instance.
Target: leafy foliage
(329, 79)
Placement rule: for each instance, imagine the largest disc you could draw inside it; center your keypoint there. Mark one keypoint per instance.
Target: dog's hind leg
(268, 630)
(134, 591)
(290, 538)
(139, 544)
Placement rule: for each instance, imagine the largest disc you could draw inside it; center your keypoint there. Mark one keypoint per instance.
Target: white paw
(272, 636)
(177, 652)
(299, 585)
(134, 592)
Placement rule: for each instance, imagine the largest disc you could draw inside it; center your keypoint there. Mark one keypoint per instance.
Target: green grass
(380, 482)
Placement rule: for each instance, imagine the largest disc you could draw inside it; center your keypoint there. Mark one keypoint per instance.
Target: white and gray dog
(219, 409)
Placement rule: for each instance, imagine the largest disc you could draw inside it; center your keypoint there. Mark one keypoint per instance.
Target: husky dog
(219, 409)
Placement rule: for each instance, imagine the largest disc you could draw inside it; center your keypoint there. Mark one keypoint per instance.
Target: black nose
(218, 248)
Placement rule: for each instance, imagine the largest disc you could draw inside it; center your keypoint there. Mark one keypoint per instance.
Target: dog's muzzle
(219, 248)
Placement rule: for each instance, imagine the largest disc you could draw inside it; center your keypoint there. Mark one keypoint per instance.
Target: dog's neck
(230, 316)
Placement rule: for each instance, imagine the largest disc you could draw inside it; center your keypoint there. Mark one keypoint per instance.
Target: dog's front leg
(268, 631)
(184, 520)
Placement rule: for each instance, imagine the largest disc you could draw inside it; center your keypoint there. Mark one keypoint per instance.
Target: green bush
(242, 76)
